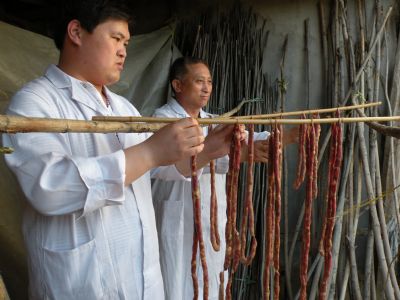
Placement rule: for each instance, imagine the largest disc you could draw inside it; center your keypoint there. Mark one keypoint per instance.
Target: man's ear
(176, 84)
(74, 32)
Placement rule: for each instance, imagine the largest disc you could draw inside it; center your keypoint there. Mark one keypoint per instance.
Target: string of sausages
(335, 159)
(301, 165)
(236, 243)
(248, 212)
(278, 184)
(197, 236)
(233, 246)
(273, 213)
(214, 234)
(310, 134)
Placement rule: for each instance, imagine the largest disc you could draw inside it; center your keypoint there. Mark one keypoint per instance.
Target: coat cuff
(104, 177)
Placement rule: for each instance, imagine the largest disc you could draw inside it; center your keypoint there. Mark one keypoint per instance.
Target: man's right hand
(172, 143)
(176, 141)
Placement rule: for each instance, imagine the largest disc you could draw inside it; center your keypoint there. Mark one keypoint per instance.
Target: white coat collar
(178, 109)
(62, 80)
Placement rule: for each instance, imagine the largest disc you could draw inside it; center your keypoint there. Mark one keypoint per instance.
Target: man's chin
(113, 79)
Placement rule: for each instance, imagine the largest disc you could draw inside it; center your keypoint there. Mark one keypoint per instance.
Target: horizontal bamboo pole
(219, 119)
(312, 111)
(16, 124)
(249, 121)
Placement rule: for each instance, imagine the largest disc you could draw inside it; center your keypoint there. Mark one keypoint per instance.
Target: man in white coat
(191, 84)
(89, 224)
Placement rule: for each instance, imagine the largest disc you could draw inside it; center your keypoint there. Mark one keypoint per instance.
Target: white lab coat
(87, 235)
(174, 218)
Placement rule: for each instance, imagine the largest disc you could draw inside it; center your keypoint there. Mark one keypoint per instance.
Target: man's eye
(117, 38)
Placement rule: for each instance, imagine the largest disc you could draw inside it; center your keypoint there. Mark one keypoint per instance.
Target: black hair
(178, 68)
(89, 13)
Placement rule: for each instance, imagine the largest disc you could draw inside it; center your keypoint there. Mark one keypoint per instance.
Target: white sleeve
(56, 182)
(261, 135)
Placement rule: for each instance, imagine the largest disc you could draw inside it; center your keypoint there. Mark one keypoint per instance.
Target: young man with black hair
(89, 224)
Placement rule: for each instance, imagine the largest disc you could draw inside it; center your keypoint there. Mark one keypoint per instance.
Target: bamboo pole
(352, 230)
(6, 150)
(230, 113)
(235, 120)
(311, 111)
(14, 124)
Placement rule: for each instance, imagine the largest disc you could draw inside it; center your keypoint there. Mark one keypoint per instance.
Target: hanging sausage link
(248, 212)
(310, 146)
(229, 225)
(277, 177)
(317, 133)
(214, 234)
(335, 161)
(235, 237)
(301, 164)
(198, 235)
(269, 218)
(228, 246)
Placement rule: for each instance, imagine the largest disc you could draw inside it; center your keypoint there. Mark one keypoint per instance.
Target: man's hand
(217, 144)
(172, 143)
(291, 136)
(260, 151)
(218, 141)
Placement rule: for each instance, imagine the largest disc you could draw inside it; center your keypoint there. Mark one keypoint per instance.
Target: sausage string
(198, 235)
(248, 213)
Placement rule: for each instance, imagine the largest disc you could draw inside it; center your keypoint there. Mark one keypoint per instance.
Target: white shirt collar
(177, 108)
(61, 80)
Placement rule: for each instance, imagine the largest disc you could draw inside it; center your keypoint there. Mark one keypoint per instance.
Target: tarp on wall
(24, 56)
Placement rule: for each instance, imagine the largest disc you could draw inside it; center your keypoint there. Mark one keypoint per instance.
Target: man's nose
(207, 87)
(122, 52)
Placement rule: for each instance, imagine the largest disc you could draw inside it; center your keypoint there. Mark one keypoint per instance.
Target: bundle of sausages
(307, 167)
(335, 160)
(273, 212)
(236, 244)
(233, 246)
(248, 212)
